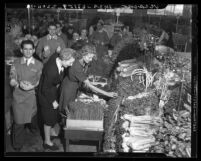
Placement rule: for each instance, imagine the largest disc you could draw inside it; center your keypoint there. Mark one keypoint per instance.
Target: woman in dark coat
(77, 75)
(48, 93)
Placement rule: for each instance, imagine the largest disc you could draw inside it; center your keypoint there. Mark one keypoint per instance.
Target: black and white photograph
(110, 80)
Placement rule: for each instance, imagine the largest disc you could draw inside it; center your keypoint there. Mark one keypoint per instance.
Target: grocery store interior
(142, 71)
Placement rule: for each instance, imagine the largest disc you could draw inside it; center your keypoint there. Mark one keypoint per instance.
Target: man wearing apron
(24, 77)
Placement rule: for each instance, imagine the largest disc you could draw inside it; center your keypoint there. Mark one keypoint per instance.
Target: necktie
(26, 62)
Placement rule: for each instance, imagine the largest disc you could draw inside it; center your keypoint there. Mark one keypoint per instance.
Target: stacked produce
(173, 71)
(144, 118)
(144, 104)
(134, 100)
(127, 87)
(139, 132)
(126, 67)
(177, 63)
(174, 137)
(140, 78)
(128, 133)
(87, 108)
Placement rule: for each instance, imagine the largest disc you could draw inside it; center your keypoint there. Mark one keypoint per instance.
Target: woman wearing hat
(77, 75)
(48, 91)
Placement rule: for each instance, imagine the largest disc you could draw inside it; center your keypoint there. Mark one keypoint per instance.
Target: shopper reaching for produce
(77, 75)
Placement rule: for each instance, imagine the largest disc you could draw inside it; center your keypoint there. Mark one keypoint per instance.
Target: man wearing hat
(48, 91)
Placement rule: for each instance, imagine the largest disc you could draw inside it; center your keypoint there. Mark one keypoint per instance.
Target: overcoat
(48, 90)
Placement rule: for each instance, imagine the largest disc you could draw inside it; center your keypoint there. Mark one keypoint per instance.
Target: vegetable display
(147, 120)
(174, 137)
(110, 118)
(139, 132)
(87, 108)
(130, 91)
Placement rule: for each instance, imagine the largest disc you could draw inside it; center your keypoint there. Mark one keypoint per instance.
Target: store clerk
(25, 74)
(49, 44)
(76, 76)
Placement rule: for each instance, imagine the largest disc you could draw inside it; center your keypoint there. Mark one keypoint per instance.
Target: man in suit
(48, 91)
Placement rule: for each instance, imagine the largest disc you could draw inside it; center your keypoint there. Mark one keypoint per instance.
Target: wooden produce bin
(91, 130)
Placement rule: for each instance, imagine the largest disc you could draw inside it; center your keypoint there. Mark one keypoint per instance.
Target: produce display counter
(89, 130)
